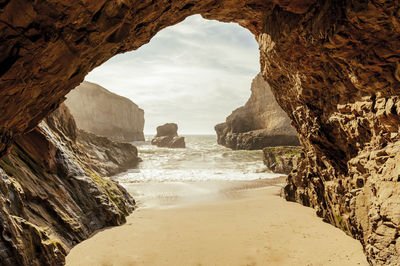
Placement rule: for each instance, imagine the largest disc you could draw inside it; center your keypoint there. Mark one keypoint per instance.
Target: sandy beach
(243, 223)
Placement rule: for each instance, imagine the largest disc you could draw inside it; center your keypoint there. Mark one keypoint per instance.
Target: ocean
(168, 174)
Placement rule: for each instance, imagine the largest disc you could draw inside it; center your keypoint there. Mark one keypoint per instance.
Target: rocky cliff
(282, 160)
(104, 113)
(333, 67)
(52, 195)
(260, 123)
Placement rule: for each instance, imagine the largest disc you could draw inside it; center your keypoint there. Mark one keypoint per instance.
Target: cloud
(194, 73)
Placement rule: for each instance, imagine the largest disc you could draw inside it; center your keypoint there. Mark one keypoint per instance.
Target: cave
(333, 66)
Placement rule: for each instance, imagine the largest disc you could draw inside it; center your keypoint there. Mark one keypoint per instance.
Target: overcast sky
(194, 74)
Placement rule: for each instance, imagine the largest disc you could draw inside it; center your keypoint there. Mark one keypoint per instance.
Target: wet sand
(240, 223)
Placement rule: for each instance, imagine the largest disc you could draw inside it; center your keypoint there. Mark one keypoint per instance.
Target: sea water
(166, 175)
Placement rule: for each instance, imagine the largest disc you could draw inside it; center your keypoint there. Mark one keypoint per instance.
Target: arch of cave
(47, 61)
(324, 60)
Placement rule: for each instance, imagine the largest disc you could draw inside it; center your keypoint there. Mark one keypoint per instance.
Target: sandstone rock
(52, 196)
(168, 129)
(99, 111)
(178, 142)
(105, 156)
(161, 141)
(282, 160)
(260, 123)
(317, 56)
(167, 136)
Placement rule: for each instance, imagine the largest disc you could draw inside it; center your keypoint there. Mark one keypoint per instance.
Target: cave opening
(332, 65)
(193, 74)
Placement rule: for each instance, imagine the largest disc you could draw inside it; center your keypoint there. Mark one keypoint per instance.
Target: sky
(194, 74)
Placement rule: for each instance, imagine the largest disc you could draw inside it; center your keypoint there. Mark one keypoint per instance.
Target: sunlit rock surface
(53, 195)
(260, 123)
(104, 113)
(333, 66)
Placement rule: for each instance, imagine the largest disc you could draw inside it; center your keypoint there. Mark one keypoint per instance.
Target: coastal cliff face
(260, 123)
(333, 66)
(282, 160)
(52, 197)
(104, 113)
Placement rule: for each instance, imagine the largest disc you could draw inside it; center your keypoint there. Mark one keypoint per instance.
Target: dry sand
(248, 224)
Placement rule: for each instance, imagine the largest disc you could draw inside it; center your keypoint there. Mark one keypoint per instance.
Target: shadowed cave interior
(332, 66)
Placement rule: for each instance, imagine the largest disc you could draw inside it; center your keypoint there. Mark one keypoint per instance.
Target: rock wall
(104, 113)
(283, 159)
(333, 66)
(260, 123)
(341, 90)
(52, 196)
(105, 156)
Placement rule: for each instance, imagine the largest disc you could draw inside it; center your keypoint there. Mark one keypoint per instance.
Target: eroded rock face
(333, 66)
(167, 136)
(52, 197)
(47, 48)
(104, 113)
(282, 159)
(168, 129)
(260, 123)
(105, 156)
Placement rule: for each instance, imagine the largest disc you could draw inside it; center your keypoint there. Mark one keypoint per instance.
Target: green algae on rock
(282, 159)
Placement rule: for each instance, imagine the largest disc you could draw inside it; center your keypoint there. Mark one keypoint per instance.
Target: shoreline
(247, 223)
(172, 194)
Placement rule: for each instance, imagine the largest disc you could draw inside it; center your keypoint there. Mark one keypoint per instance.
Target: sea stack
(167, 136)
(101, 112)
(260, 123)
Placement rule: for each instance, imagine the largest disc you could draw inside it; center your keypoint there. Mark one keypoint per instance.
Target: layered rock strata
(99, 111)
(52, 195)
(105, 156)
(260, 123)
(333, 66)
(282, 159)
(167, 136)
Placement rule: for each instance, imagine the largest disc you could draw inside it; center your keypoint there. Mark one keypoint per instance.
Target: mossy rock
(112, 191)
